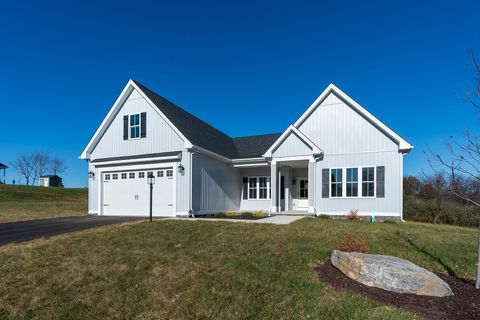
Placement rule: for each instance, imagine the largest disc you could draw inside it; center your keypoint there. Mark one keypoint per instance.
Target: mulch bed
(237, 217)
(465, 304)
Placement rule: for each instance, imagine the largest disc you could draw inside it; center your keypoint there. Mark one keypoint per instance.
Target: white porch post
(274, 186)
(311, 186)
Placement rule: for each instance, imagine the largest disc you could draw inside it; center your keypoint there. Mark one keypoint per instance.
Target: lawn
(217, 270)
(26, 203)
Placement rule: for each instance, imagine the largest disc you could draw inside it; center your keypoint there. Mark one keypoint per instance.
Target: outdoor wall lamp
(91, 174)
(180, 168)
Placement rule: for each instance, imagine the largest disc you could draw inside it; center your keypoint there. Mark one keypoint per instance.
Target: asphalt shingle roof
(203, 135)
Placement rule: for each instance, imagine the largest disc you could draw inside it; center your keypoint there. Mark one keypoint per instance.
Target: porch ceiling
(293, 163)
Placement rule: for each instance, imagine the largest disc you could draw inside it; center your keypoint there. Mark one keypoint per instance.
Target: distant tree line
(32, 166)
(429, 199)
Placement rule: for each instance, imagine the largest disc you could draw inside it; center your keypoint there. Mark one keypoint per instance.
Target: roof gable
(293, 135)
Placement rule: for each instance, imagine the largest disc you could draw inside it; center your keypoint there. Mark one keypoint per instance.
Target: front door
(301, 201)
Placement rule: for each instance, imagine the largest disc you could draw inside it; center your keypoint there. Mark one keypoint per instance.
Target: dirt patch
(465, 304)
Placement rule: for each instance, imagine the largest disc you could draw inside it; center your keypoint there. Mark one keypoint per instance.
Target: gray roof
(203, 135)
(2, 166)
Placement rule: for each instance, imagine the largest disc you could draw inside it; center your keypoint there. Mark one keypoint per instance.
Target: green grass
(25, 203)
(214, 270)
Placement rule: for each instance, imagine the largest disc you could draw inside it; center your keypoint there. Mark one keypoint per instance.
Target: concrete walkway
(281, 220)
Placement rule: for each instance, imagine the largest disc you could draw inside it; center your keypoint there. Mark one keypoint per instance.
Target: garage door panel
(128, 193)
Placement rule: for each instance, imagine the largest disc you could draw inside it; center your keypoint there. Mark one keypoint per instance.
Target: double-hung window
(135, 126)
(352, 182)
(259, 188)
(336, 182)
(368, 182)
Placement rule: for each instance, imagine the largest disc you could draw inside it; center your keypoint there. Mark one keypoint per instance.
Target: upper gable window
(134, 126)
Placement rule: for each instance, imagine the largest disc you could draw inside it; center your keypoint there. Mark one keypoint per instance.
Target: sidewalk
(280, 220)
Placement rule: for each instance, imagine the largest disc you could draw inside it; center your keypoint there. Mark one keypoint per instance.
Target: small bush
(259, 214)
(324, 216)
(247, 214)
(220, 215)
(353, 215)
(389, 221)
(230, 214)
(352, 244)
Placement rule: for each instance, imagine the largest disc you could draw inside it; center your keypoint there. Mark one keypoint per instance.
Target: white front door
(300, 202)
(128, 193)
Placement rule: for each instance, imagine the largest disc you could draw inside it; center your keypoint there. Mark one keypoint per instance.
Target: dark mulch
(465, 304)
(237, 217)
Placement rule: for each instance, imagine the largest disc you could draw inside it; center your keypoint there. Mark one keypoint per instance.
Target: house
(335, 158)
(50, 181)
(4, 168)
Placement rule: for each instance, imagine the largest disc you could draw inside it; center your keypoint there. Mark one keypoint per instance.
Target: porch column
(274, 186)
(311, 186)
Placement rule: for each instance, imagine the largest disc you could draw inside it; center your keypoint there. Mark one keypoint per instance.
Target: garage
(126, 192)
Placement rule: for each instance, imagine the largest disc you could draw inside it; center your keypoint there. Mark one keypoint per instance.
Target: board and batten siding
(292, 145)
(254, 204)
(216, 186)
(93, 190)
(160, 136)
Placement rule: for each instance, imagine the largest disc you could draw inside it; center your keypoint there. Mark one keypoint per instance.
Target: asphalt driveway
(32, 229)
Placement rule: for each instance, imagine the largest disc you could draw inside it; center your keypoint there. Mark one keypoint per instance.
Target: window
(134, 126)
(169, 173)
(149, 173)
(124, 175)
(107, 176)
(141, 174)
(115, 176)
(368, 182)
(263, 187)
(259, 188)
(132, 175)
(252, 188)
(336, 182)
(160, 174)
(352, 182)
(303, 188)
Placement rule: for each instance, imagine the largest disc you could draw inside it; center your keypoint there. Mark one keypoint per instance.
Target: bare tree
(24, 164)
(41, 162)
(57, 165)
(463, 161)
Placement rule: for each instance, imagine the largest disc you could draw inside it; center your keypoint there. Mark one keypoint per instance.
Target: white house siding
(160, 136)
(390, 205)
(250, 205)
(292, 145)
(216, 186)
(93, 191)
(336, 128)
(183, 185)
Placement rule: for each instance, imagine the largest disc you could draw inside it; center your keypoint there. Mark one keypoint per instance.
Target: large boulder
(390, 273)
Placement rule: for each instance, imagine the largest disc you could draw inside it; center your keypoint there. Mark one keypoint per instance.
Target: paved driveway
(28, 230)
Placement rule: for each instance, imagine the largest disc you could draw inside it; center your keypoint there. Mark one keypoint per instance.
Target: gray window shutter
(245, 188)
(143, 123)
(325, 183)
(125, 127)
(381, 182)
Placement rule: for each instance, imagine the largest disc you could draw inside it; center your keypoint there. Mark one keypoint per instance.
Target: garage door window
(141, 174)
(114, 176)
(159, 174)
(132, 175)
(124, 175)
(107, 176)
(169, 173)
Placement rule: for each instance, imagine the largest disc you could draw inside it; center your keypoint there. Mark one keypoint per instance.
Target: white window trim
(357, 182)
(360, 181)
(257, 188)
(139, 126)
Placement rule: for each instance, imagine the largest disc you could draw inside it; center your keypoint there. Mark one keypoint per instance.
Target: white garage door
(128, 193)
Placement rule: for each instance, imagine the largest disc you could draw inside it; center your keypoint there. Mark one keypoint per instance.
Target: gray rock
(390, 273)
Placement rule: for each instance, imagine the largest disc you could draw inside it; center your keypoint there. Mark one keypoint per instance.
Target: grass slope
(25, 203)
(185, 269)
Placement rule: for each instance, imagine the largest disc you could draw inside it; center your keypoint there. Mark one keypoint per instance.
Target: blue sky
(63, 65)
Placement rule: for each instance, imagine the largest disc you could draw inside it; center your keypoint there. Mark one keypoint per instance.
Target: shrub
(259, 214)
(389, 221)
(353, 215)
(220, 215)
(247, 214)
(352, 244)
(230, 213)
(324, 216)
